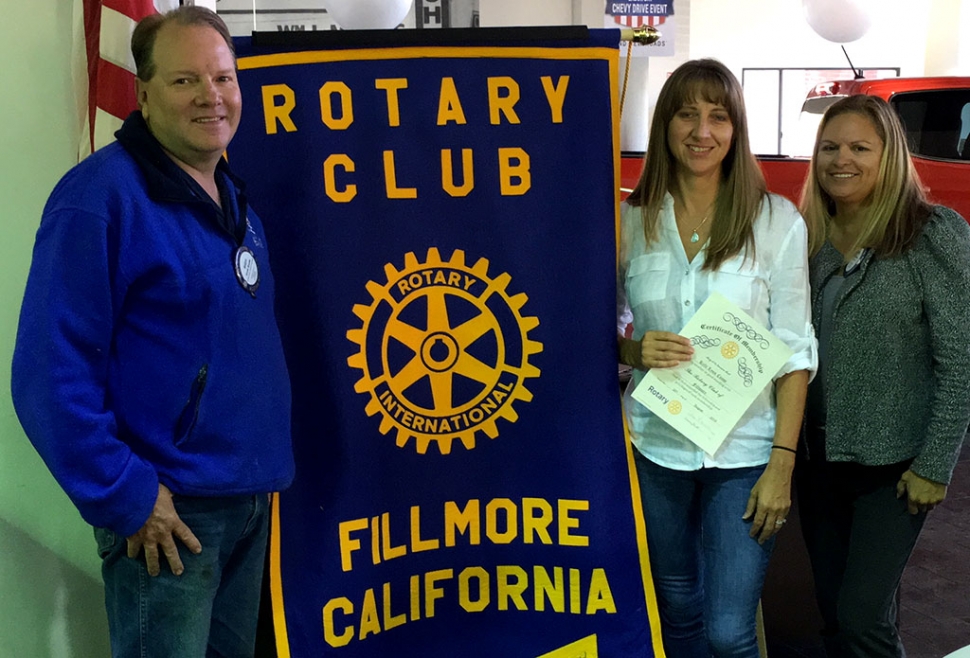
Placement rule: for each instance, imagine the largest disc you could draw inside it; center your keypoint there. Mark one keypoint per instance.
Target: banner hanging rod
(643, 35)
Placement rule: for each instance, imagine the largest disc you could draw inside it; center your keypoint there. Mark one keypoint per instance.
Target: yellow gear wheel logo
(444, 351)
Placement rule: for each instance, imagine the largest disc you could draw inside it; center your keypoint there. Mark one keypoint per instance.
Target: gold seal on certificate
(735, 358)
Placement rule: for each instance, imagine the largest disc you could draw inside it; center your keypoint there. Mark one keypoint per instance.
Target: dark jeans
(209, 611)
(707, 571)
(859, 537)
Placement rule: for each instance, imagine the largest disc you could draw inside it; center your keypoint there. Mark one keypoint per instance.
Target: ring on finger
(780, 522)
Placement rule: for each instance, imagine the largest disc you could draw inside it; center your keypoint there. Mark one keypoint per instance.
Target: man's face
(192, 103)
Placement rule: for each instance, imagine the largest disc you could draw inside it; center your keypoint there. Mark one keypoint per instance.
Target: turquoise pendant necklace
(693, 234)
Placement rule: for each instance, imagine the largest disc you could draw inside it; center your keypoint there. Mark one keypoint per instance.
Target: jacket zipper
(192, 406)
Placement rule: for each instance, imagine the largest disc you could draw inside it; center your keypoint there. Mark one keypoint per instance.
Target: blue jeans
(210, 611)
(707, 571)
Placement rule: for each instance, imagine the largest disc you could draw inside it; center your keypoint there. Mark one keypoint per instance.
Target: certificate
(734, 359)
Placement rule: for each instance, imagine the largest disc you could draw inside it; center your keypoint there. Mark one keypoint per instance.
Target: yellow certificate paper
(735, 358)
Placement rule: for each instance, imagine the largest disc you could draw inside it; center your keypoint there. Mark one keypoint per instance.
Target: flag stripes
(108, 25)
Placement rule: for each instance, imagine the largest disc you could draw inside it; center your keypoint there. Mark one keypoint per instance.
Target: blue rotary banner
(442, 222)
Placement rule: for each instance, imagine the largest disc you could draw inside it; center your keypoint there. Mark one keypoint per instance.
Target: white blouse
(659, 290)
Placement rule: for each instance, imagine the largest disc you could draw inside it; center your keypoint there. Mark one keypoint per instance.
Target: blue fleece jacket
(140, 359)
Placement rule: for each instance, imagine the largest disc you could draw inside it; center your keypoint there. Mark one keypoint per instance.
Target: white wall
(512, 13)
(963, 51)
(946, 52)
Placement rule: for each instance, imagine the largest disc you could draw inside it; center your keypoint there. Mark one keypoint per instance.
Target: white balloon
(840, 21)
(368, 14)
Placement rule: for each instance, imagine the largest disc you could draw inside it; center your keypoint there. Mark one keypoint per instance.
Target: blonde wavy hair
(896, 210)
(742, 189)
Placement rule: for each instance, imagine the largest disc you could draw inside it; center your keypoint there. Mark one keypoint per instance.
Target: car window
(937, 122)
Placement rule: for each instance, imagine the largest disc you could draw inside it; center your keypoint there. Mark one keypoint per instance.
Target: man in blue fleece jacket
(148, 370)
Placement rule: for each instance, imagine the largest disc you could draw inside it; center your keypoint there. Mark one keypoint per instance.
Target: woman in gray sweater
(887, 412)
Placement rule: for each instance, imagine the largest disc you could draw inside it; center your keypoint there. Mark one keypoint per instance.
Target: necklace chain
(693, 234)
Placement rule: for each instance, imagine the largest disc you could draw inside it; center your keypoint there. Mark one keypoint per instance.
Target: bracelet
(791, 450)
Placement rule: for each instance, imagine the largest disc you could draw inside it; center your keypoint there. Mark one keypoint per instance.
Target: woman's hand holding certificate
(703, 398)
(662, 349)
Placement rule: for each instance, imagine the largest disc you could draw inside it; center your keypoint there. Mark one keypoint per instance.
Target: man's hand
(922, 495)
(159, 531)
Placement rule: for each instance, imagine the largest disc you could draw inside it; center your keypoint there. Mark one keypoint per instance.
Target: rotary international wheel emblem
(444, 351)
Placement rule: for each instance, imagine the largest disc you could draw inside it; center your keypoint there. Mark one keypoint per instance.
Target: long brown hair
(896, 210)
(742, 189)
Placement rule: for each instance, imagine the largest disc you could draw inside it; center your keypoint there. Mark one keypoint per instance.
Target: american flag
(110, 69)
(638, 21)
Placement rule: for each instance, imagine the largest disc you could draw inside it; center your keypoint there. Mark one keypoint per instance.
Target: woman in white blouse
(700, 221)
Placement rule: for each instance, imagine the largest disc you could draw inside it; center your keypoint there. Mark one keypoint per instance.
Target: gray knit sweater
(898, 369)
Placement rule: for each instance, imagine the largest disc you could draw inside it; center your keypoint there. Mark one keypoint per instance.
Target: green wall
(51, 602)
